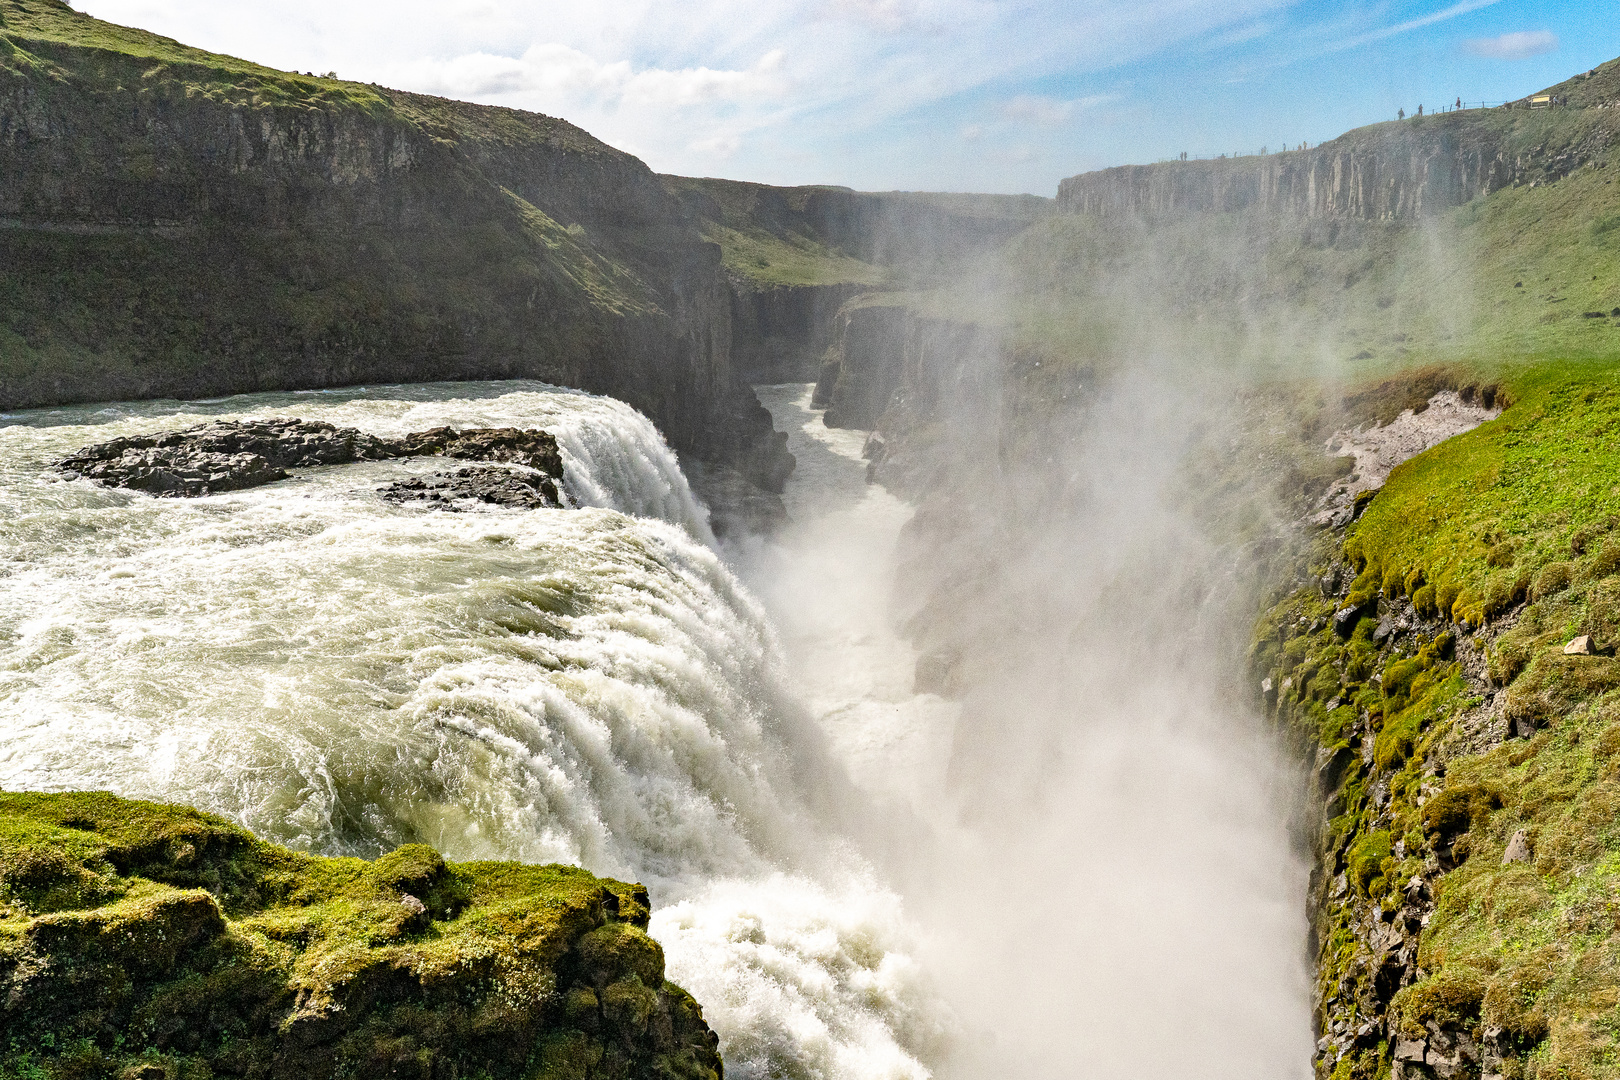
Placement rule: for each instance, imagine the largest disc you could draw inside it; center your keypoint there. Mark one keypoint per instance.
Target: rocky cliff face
(890, 359)
(1397, 171)
(182, 224)
(795, 257)
(781, 333)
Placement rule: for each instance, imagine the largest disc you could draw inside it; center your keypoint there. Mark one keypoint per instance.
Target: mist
(1097, 840)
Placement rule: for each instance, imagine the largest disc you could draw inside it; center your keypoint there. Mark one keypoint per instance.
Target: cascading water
(599, 686)
(343, 674)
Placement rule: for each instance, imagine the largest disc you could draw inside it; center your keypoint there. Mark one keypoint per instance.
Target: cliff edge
(149, 941)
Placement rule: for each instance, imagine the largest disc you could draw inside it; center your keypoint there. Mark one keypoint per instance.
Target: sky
(940, 95)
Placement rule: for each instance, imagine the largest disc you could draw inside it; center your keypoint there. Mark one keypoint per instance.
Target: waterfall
(343, 674)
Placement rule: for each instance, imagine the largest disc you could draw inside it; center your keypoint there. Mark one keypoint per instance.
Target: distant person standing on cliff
(1459, 104)
(1400, 114)
(1420, 110)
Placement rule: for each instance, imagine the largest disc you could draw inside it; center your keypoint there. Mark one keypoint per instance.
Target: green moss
(1366, 859)
(132, 933)
(1450, 998)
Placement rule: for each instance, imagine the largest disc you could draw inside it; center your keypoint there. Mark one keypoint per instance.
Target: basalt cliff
(1396, 171)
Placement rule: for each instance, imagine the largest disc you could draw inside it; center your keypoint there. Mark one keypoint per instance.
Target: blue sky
(957, 95)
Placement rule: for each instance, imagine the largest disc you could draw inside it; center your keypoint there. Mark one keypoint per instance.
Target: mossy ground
(135, 936)
(1496, 544)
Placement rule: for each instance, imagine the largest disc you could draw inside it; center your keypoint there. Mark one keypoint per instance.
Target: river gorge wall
(174, 223)
(1398, 171)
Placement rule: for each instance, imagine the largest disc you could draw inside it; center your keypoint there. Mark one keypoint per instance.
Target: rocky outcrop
(487, 484)
(149, 941)
(231, 455)
(781, 333)
(174, 223)
(1419, 168)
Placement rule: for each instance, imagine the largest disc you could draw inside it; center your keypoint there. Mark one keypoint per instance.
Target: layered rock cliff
(1398, 171)
(175, 223)
(795, 257)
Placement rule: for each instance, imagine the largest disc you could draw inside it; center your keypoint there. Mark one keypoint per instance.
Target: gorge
(940, 634)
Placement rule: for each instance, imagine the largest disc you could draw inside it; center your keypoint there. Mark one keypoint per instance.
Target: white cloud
(973, 132)
(555, 71)
(1463, 7)
(889, 16)
(692, 86)
(1516, 46)
(1046, 111)
(1241, 34)
(794, 90)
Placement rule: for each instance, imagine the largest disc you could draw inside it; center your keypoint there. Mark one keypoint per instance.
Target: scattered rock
(1377, 450)
(1518, 849)
(231, 455)
(1409, 1050)
(1580, 646)
(490, 484)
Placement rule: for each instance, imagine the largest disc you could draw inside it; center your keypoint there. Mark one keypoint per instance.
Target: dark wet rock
(532, 447)
(939, 672)
(225, 455)
(490, 484)
(231, 455)
(738, 505)
(1344, 620)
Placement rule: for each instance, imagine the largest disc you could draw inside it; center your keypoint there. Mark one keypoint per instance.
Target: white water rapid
(343, 675)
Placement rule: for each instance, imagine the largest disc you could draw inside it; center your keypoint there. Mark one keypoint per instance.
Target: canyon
(1075, 603)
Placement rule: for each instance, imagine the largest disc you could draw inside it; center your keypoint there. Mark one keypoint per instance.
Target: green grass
(764, 260)
(1478, 518)
(133, 933)
(35, 32)
(1508, 530)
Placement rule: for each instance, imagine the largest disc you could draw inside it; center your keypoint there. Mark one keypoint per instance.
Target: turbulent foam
(343, 675)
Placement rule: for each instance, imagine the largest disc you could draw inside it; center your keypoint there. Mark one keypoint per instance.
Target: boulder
(1580, 646)
(1345, 619)
(493, 485)
(1518, 849)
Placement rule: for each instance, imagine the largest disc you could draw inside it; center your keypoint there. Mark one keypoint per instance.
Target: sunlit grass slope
(1508, 536)
(146, 940)
(819, 235)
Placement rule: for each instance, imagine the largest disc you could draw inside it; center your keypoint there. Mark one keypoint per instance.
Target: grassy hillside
(1465, 727)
